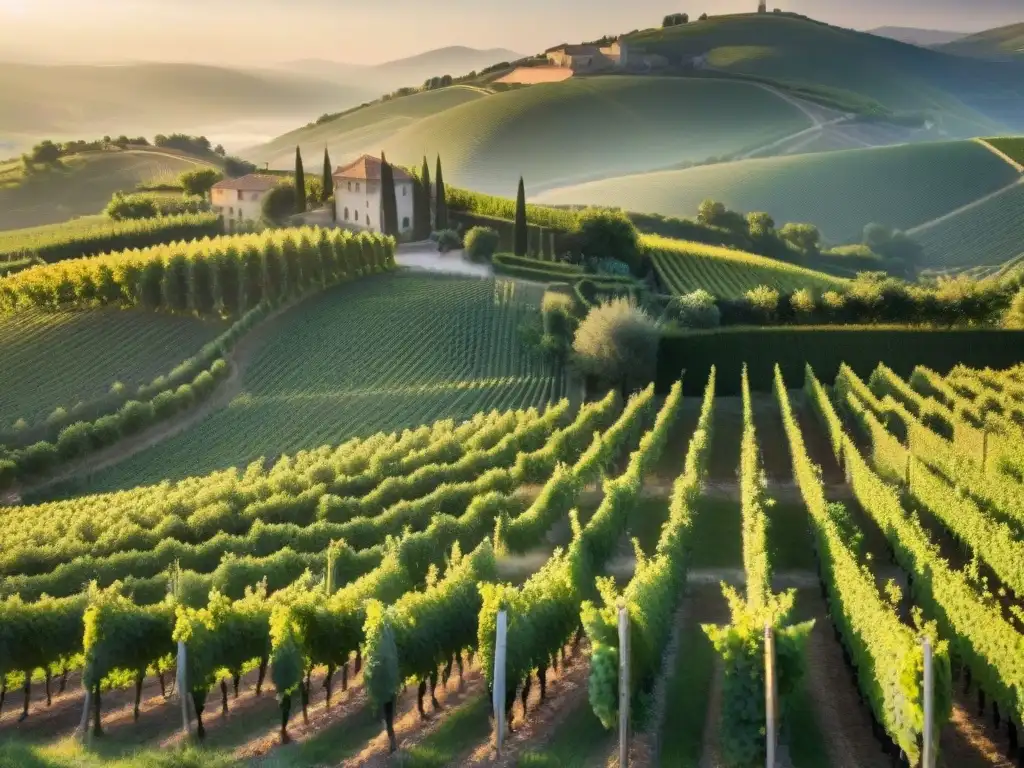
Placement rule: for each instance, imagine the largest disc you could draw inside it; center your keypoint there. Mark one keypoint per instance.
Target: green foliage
(481, 243)
(448, 240)
(299, 189)
(142, 206)
(605, 234)
(519, 240)
(652, 595)
(535, 269)
(617, 343)
(199, 181)
(89, 237)
(279, 204)
(1014, 316)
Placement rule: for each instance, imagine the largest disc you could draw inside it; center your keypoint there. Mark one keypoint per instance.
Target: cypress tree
(420, 209)
(428, 196)
(440, 204)
(328, 178)
(388, 202)
(300, 183)
(521, 241)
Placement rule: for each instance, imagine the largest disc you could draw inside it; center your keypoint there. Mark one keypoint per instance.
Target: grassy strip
(682, 739)
(576, 742)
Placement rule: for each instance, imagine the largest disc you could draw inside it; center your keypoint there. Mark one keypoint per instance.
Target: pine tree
(520, 243)
(440, 204)
(300, 183)
(428, 196)
(328, 177)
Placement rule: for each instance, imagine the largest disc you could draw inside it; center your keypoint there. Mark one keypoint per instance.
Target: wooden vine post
(928, 752)
(499, 679)
(182, 684)
(770, 699)
(624, 686)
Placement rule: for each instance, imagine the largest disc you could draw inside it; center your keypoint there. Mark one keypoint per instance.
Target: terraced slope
(385, 353)
(1001, 42)
(365, 129)
(51, 360)
(83, 185)
(684, 267)
(840, 192)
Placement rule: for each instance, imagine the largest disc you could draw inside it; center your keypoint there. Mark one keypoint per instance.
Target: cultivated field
(839, 192)
(83, 185)
(386, 353)
(365, 129)
(630, 124)
(59, 359)
(684, 267)
(989, 234)
(672, 466)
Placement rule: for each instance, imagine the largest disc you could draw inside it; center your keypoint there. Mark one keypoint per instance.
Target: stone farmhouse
(358, 200)
(240, 201)
(598, 58)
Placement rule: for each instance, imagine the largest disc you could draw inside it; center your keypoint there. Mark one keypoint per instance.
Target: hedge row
(541, 241)
(223, 275)
(825, 349)
(62, 243)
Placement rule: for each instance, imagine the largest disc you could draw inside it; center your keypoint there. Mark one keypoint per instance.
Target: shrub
(1014, 315)
(605, 234)
(8, 472)
(803, 304)
(448, 240)
(481, 243)
(696, 310)
(123, 207)
(560, 323)
(199, 181)
(764, 303)
(74, 440)
(38, 457)
(279, 204)
(164, 405)
(617, 343)
(135, 416)
(106, 431)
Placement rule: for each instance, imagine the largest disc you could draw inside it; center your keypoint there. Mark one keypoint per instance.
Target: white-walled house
(358, 200)
(241, 200)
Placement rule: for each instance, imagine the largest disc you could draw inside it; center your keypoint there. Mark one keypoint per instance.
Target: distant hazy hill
(923, 37)
(1000, 43)
(410, 71)
(64, 102)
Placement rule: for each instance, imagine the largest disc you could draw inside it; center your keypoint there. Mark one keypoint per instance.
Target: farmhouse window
(231, 211)
(357, 215)
(350, 186)
(346, 214)
(357, 186)
(405, 190)
(240, 195)
(405, 223)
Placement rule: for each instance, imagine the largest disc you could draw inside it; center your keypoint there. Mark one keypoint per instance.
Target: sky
(247, 32)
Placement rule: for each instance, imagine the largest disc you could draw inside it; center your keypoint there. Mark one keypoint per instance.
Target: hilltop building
(240, 201)
(762, 7)
(357, 195)
(617, 55)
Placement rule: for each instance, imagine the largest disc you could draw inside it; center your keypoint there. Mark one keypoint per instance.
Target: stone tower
(762, 7)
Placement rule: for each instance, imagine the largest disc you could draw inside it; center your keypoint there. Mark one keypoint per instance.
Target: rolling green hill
(1000, 43)
(630, 123)
(684, 267)
(840, 192)
(58, 359)
(385, 353)
(799, 50)
(581, 128)
(82, 185)
(986, 235)
(366, 129)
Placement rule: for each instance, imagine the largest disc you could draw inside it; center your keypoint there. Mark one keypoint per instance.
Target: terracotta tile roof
(367, 167)
(253, 182)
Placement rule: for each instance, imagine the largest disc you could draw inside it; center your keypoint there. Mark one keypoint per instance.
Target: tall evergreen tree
(300, 183)
(328, 177)
(420, 209)
(429, 194)
(520, 242)
(388, 202)
(440, 204)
